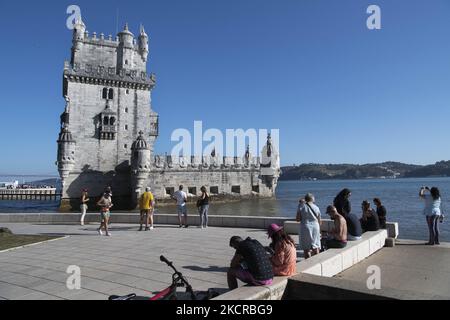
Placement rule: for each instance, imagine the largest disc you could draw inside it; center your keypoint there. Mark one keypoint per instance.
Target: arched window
(111, 94)
(112, 121)
(106, 121)
(105, 93)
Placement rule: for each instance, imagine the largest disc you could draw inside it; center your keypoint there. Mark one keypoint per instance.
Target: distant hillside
(439, 169)
(391, 169)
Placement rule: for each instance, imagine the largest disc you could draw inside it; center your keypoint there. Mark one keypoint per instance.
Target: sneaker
(181, 226)
(140, 229)
(186, 226)
(108, 234)
(147, 228)
(100, 232)
(151, 228)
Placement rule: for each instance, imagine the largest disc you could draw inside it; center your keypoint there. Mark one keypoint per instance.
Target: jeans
(433, 228)
(83, 208)
(203, 211)
(335, 244)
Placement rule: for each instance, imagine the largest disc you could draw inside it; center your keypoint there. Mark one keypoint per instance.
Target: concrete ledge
(292, 227)
(133, 218)
(325, 265)
(273, 292)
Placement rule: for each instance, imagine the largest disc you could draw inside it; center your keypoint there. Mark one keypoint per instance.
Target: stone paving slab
(127, 262)
(410, 266)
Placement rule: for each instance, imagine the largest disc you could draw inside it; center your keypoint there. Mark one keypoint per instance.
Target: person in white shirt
(181, 197)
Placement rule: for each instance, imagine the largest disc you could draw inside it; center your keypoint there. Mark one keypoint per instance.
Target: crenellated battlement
(204, 163)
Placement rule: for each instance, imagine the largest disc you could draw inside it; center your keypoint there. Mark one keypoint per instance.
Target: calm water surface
(400, 196)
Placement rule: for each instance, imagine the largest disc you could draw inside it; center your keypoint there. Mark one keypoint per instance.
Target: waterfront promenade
(409, 266)
(127, 262)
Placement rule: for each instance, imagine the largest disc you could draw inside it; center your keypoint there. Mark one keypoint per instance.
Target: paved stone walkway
(410, 266)
(127, 262)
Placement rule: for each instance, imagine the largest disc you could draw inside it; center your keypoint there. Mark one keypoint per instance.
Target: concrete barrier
(326, 264)
(310, 287)
(254, 222)
(292, 227)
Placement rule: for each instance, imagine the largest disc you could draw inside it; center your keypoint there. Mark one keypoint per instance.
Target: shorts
(181, 210)
(245, 276)
(105, 215)
(146, 211)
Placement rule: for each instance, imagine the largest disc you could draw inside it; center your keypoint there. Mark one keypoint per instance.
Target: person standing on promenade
(342, 202)
(284, 258)
(338, 237)
(146, 206)
(181, 197)
(105, 205)
(84, 206)
(432, 212)
(203, 207)
(369, 219)
(308, 214)
(250, 263)
(381, 212)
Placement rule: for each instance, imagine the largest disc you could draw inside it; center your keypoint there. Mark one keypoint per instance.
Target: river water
(400, 196)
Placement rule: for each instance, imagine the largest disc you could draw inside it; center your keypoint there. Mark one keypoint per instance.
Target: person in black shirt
(354, 230)
(250, 263)
(342, 202)
(381, 212)
(369, 220)
(203, 207)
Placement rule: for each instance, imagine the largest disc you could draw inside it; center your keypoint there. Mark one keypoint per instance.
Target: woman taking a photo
(432, 212)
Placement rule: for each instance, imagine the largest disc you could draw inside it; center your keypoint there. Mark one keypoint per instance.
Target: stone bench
(292, 227)
(325, 264)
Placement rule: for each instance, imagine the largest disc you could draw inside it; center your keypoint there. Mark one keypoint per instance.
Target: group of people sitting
(347, 225)
(256, 265)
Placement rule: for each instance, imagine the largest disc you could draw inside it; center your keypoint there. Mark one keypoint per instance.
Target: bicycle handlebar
(164, 259)
(180, 275)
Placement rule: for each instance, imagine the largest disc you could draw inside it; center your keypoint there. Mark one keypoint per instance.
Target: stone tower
(108, 130)
(108, 94)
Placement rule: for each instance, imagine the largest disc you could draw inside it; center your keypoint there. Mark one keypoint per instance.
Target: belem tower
(108, 130)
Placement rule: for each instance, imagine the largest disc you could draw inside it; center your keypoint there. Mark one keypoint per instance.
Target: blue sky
(337, 91)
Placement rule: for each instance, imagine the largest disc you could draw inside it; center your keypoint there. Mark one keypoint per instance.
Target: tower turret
(79, 30)
(270, 164)
(66, 153)
(140, 166)
(143, 44)
(126, 37)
